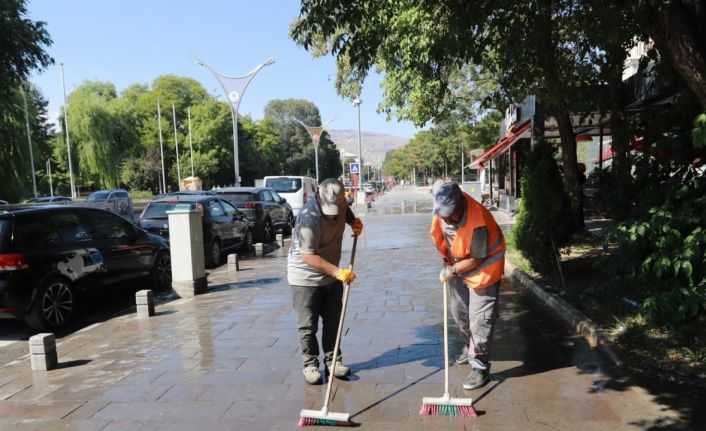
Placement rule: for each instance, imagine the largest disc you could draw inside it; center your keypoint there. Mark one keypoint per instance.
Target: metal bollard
(259, 249)
(42, 352)
(145, 303)
(233, 262)
(280, 239)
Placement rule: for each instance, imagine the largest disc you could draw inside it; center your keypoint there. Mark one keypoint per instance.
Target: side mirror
(284, 200)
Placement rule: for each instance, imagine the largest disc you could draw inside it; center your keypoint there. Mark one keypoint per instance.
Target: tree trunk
(680, 36)
(568, 156)
(555, 101)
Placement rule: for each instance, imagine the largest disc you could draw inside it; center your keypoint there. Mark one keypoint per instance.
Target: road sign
(354, 168)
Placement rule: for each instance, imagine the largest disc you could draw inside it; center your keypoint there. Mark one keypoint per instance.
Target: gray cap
(446, 197)
(331, 194)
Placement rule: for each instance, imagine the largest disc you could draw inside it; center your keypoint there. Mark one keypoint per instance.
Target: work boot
(477, 378)
(312, 375)
(462, 358)
(341, 370)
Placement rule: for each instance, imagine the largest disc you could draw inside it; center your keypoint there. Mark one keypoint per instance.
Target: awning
(502, 145)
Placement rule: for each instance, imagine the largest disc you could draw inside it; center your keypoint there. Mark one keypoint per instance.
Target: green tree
(15, 165)
(427, 50)
(103, 133)
(22, 48)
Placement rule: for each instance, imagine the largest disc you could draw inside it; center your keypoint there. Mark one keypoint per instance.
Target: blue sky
(130, 41)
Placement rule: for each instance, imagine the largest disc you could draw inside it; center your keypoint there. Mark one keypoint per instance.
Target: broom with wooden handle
(324, 416)
(446, 405)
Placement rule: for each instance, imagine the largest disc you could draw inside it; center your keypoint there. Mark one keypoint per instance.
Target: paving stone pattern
(229, 359)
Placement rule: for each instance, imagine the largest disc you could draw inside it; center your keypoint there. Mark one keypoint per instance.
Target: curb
(594, 334)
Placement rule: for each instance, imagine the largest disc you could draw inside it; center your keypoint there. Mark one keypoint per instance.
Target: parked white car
(297, 190)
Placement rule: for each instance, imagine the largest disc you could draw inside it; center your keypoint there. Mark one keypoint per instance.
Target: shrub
(662, 238)
(545, 212)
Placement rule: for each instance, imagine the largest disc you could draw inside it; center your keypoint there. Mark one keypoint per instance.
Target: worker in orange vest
(473, 248)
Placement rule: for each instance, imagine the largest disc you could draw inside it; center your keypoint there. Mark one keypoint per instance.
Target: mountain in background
(374, 145)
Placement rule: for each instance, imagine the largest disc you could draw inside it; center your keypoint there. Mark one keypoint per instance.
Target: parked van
(297, 190)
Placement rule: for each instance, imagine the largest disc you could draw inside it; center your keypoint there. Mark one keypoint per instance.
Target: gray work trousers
(312, 303)
(475, 312)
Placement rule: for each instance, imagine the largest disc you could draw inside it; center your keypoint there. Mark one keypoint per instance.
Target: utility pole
(161, 147)
(191, 144)
(176, 146)
(51, 186)
(29, 142)
(66, 127)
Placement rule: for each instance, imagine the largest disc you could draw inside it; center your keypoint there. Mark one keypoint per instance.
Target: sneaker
(476, 378)
(340, 371)
(462, 358)
(312, 375)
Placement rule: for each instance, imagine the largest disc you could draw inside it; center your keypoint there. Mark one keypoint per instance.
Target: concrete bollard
(42, 352)
(186, 249)
(233, 262)
(280, 239)
(145, 303)
(259, 249)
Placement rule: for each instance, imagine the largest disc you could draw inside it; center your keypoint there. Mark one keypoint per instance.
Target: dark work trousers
(475, 312)
(312, 303)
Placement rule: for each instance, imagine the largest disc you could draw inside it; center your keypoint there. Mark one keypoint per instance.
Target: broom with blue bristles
(446, 405)
(324, 416)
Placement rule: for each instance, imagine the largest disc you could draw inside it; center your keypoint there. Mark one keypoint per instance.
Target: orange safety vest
(491, 270)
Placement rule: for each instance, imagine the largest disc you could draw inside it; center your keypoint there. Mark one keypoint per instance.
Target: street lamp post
(315, 134)
(29, 142)
(66, 127)
(356, 103)
(234, 87)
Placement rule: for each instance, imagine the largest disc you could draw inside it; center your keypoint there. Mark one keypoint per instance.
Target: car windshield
(240, 197)
(158, 210)
(98, 196)
(284, 185)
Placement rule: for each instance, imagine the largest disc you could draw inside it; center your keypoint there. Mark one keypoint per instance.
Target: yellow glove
(345, 275)
(446, 274)
(357, 227)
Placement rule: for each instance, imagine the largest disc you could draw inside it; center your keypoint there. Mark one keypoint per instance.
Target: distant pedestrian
(315, 276)
(473, 248)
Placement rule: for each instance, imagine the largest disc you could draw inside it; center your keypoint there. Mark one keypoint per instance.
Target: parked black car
(224, 226)
(51, 254)
(269, 211)
(51, 200)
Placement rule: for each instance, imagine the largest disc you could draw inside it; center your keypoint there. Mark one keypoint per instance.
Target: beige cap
(331, 194)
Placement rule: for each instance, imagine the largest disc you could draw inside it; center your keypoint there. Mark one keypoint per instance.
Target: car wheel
(162, 271)
(214, 253)
(267, 231)
(247, 242)
(290, 225)
(53, 306)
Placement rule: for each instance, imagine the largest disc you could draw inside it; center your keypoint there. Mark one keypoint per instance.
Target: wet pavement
(229, 359)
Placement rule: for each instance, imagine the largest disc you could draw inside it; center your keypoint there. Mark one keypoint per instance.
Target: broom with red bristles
(324, 416)
(446, 405)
